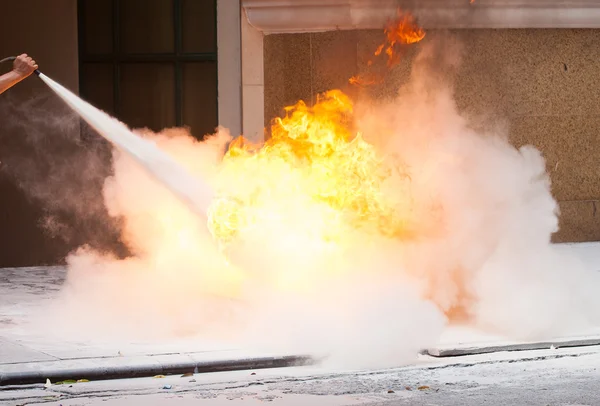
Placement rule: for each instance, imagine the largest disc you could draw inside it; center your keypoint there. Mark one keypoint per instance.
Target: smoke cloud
(480, 214)
(55, 160)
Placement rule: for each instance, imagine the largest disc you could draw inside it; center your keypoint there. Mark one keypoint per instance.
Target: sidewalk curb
(148, 368)
(471, 349)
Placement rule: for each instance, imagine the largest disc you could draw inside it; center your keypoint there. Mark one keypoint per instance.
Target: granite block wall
(544, 83)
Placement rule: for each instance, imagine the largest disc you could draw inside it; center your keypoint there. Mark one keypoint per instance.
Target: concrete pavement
(29, 355)
(557, 377)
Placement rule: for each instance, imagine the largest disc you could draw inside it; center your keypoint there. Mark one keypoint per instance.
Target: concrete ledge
(474, 349)
(295, 16)
(136, 367)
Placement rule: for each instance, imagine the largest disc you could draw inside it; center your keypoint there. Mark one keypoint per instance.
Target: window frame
(117, 57)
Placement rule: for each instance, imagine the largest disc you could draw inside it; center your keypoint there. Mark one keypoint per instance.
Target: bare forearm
(8, 80)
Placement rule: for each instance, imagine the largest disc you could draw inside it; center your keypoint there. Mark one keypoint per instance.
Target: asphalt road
(557, 378)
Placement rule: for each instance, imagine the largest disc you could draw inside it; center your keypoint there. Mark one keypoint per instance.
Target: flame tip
(403, 30)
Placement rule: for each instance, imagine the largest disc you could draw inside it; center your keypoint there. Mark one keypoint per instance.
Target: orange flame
(362, 80)
(323, 159)
(328, 166)
(401, 31)
(316, 182)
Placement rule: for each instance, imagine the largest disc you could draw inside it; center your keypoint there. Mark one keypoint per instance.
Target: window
(151, 63)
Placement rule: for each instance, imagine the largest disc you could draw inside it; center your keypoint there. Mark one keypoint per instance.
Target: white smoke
(482, 216)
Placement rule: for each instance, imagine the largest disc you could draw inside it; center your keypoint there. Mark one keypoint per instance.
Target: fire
(314, 157)
(326, 242)
(314, 188)
(318, 157)
(364, 81)
(401, 31)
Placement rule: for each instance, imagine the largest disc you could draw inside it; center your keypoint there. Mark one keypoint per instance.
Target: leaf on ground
(82, 380)
(187, 375)
(424, 387)
(408, 388)
(158, 376)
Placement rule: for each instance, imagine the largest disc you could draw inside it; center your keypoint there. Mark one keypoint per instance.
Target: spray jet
(191, 190)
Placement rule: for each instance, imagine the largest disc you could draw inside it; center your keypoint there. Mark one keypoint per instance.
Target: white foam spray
(160, 165)
(482, 211)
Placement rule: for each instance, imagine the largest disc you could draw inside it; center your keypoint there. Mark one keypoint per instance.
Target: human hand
(24, 65)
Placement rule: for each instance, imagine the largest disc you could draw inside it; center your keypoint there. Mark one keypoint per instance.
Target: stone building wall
(543, 83)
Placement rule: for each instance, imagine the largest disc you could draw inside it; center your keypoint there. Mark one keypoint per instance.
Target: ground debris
(423, 387)
(66, 382)
(391, 391)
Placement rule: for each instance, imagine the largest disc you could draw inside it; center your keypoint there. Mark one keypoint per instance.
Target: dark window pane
(98, 26)
(199, 25)
(147, 26)
(97, 85)
(148, 95)
(200, 97)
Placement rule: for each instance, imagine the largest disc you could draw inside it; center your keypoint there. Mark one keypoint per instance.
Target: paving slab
(11, 353)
